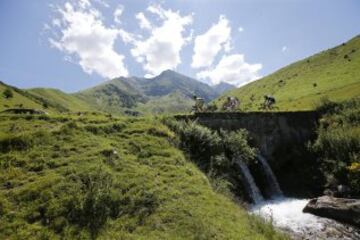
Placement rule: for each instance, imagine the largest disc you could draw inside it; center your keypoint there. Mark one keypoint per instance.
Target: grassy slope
(336, 73)
(175, 102)
(51, 167)
(56, 100)
(56, 96)
(17, 99)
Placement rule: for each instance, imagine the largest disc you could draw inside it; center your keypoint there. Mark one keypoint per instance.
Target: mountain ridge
(169, 92)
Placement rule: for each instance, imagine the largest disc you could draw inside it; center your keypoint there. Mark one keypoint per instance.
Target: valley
(171, 157)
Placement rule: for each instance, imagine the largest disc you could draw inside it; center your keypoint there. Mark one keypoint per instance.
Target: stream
(286, 214)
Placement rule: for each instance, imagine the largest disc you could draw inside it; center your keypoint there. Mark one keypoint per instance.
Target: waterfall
(270, 177)
(250, 184)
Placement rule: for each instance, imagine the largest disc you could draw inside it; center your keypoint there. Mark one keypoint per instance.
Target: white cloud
(143, 21)
(231, 69)
(284, 48)
(209, 44)
(240, 29)
(161, 49)
(102, 2)
(56, 22)
(84, 36)
(117, 13)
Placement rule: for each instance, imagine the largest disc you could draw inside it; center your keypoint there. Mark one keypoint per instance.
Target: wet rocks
(341, 209)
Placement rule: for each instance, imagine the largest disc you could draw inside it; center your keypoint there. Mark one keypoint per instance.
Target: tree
(8, 93)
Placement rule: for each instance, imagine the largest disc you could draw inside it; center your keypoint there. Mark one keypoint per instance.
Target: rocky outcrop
(341, 209)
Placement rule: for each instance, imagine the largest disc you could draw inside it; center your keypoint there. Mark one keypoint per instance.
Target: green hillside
(49, 100)
(332, 74)
(95, 176)
(56, 97)
(18, 99)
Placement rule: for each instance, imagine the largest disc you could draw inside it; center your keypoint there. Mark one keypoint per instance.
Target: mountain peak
(168, 72)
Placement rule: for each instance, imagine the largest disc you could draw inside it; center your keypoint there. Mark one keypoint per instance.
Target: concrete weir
(268, 130)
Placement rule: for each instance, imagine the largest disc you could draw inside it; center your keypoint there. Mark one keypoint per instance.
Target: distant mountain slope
(20, 98)
(334, 73)
(223, 87)
(168, 92)
(60, 99)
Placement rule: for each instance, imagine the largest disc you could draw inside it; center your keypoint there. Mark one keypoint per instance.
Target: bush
(15, 143)
(338, 143)
(236, 145)
(8, 93)
(105, 128)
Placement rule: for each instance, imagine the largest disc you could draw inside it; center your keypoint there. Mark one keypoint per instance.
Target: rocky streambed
(287, 214)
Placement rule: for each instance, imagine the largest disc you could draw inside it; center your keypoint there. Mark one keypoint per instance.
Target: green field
(96, 176)
(332, 74)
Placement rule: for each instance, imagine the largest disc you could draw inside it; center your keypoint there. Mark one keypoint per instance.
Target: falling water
(250, 185)
(270, 177)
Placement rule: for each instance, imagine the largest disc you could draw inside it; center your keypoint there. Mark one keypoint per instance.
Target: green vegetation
(49, 100)
(63, 101)
(18, 99)
(338, 144)
(334, 73)
(8, 93)
(214, 153)
(95, 176)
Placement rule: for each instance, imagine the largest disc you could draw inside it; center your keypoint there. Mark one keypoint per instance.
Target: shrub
(338, 143)
(105, 128)
(200, 142)
(8, 93)
(236, 145)
(15, 143)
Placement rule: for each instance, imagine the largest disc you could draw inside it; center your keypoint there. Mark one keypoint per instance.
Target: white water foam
(287, 213)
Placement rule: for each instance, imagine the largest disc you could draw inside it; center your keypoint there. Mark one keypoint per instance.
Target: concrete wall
(269, 130)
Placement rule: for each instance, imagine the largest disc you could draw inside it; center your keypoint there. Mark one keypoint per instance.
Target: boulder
(344, 210)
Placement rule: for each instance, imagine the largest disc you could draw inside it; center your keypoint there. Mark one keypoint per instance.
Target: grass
(94, 176)
(17, 100)
(57, 97)
(334, 73)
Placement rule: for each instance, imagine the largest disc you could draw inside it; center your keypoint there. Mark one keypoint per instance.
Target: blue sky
(72, 45)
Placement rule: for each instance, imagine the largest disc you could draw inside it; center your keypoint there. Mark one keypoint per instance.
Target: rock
(328, 192)
(341, 209)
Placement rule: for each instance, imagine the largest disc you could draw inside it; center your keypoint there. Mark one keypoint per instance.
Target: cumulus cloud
(161, 49)
(143, 21)
(231, 69)
(117, 13)
(83, 35)
(209, 44)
